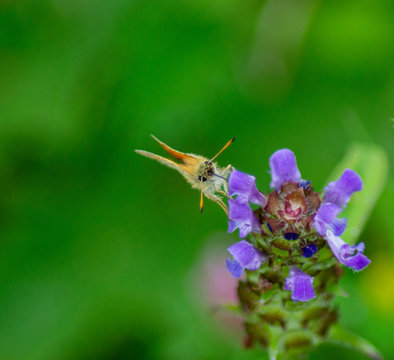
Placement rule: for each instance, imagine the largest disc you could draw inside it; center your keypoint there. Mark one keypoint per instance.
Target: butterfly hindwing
(167, 162)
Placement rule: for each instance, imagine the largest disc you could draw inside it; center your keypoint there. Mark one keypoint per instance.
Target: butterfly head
(205, 171)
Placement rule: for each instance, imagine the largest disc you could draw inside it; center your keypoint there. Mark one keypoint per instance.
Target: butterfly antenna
(201, 200)
(223, 148)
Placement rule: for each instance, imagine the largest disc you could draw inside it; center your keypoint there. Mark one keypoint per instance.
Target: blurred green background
(101, 249)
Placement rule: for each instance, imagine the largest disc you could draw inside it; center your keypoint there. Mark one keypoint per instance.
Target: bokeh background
(103, 253)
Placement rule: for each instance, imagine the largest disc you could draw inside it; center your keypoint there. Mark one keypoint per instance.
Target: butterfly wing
(191, 162)
(167, 162)
(175, 153)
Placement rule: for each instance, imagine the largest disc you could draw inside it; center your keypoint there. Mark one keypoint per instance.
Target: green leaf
(340, 335)
(279, 252)
(370, 162)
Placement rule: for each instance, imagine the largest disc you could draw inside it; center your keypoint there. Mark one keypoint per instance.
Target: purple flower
(241, 217)
(326, 218)
(246, 256)
(245, 187)
(300, 284)
(337, 194)
(340, 191)
(234, 267)
(309, 250)
(283, 168)
(351, 256)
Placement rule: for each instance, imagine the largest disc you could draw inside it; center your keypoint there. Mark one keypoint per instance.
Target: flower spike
(289, 252)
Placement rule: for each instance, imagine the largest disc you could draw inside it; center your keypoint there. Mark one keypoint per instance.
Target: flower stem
(273, 349)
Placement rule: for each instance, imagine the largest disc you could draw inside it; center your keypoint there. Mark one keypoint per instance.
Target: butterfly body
(199, 171)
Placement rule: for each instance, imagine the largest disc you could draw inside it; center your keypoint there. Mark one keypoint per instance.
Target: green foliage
(346, 338)
(371, 163)
(97, 244)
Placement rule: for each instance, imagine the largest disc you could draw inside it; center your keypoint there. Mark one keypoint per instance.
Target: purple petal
(300, 284)
(244, 228)
(241, 217)
(325, 218)
(232, 225)
(238, 211)
(338, 226)
(244, 186)
(234, 267)
(350, 256)
(360, 247)
(340, 191)
(357, 262)
(319, 226)
(327, 212)
(283, 168)
(247, 255)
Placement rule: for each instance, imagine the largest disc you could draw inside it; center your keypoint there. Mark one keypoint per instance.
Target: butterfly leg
(226, 173)
(229, 167)
(227, 170)
(223, 206)
(217, 200)
(221, 192)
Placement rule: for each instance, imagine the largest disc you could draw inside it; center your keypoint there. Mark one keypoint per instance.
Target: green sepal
(297, 343)
(253, 276)
(320, 266)
(273, 315)
(248, 298)
(267, 296)
(281, 244)
(279, 252)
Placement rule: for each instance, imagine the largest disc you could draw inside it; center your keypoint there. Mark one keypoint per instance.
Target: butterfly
(202, 173)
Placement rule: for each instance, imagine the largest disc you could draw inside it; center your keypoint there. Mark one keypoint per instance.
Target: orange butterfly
(199, 171)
